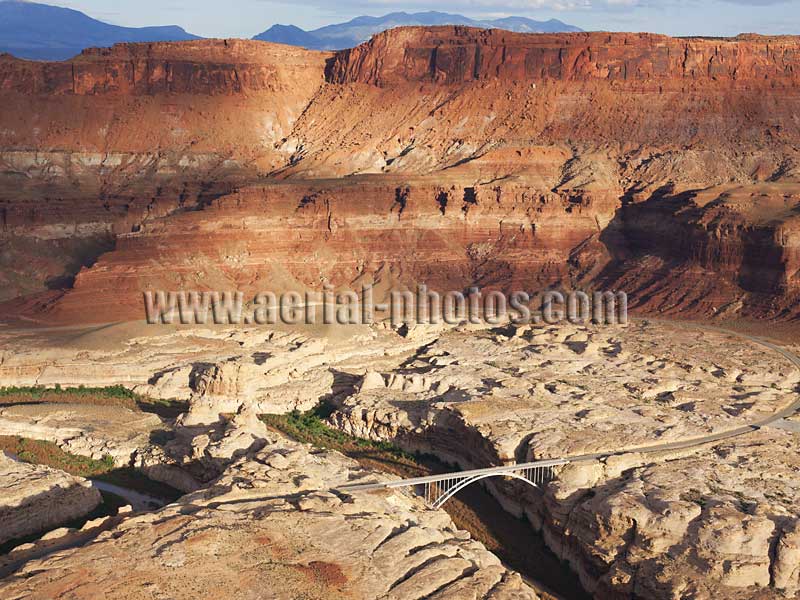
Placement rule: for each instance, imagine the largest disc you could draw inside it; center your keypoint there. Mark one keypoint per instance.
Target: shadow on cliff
(108, 507)
(649, 243)
(672, 255)
(84, 256)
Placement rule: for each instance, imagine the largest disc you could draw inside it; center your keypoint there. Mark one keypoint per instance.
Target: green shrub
(39, 391)
(310, 428)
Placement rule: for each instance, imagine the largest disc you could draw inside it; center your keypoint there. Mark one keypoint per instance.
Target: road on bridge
(775, 419)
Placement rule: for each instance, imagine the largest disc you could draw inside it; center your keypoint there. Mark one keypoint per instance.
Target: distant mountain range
(43, 32)
(360, 29)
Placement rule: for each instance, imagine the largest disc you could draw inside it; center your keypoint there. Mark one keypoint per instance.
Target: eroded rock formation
(269, 523)
(36, 499)
(712, 519)
(625, 140)
(459, 54)
(97, 432)
(706, 521)
(389, 235)
(99, 145)
(454, 157)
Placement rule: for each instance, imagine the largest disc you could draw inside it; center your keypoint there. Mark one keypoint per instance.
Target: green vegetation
(512, 539)
(48, 454)
(310, 428)
(39, 392)
(115, 395)
(39, 452)
(110, 396)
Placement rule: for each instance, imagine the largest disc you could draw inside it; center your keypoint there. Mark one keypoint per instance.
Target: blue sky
(245, 18)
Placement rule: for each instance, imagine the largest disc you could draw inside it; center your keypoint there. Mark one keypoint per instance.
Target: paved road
(775, 420)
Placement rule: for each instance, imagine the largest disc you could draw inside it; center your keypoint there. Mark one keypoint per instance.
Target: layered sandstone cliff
(386, 234)
(460, 54)
(725, 251)
(195, 97)
(140, 140)
(456, 93)
(98, 145)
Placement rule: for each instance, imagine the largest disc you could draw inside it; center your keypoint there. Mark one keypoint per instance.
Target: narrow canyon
(454, 157)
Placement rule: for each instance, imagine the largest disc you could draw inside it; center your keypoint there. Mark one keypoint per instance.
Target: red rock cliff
(295, 236)
(124, 149)
(200, 68)
(459, 54)
(232, 99)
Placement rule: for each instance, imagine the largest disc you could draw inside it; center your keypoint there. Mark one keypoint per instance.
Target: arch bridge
(438, 489)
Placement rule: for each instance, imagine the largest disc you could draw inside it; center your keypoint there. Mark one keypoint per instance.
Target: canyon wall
(726, 251)
(649, 520)
(270, 523)
(459, 93)
(129, 146)
(298, 236)
(37, 498)
(97, 146)
(460, 54)
(218, 97)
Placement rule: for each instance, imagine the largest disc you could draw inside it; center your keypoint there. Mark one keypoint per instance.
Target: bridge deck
(366, 487)
(775, 420)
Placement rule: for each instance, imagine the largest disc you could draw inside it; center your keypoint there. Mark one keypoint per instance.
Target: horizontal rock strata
(94, 431)
(259, 240)
(451, 55)
(140, 135)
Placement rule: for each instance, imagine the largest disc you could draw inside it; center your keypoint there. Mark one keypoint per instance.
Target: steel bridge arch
(440, 502)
